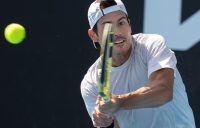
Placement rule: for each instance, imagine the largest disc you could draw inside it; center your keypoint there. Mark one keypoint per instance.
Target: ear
(92, 35)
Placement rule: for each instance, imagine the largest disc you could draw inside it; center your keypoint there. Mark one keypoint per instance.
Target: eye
(122, 22)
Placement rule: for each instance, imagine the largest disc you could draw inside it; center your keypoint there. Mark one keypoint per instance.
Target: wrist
(125, 101)
(120, 99)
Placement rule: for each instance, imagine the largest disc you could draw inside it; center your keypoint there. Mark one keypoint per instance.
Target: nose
(117, 31)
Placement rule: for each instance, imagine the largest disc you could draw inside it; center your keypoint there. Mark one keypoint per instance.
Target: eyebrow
(123, 17)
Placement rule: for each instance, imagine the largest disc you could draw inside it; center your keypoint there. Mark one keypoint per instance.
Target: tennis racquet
(106, 54)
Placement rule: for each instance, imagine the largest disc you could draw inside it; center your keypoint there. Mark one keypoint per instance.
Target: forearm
(157, 92)
(151, 95)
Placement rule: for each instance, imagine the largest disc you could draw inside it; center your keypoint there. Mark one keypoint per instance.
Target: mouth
(119, 42)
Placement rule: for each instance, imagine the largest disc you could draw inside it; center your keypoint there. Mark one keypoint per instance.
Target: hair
(107, 3)
(104, 4)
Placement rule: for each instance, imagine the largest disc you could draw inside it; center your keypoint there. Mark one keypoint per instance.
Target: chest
(130, 78)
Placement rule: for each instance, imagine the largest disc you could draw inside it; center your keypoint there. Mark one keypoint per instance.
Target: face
(122, 32)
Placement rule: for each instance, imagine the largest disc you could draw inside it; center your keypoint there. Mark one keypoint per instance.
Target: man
(147, 90)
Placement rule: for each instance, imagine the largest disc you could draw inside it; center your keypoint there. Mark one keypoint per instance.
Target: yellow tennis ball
(15, 33)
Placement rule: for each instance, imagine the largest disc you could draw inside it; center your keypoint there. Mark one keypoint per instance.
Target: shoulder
(95, 67)
(150, 42)
(148, 39)
(144, 37)
(91, 77)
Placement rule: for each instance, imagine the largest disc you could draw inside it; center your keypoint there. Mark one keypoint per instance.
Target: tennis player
(146, 88)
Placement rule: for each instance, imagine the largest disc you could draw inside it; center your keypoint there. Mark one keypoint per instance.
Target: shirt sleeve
(89, 93)
(159, 55)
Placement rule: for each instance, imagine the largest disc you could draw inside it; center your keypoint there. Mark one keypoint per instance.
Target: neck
(119, 59)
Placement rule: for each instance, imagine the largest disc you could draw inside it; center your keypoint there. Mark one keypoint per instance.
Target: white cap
(95, 13)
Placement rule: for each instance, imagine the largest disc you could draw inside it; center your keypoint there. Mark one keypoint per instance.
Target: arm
(157, 92)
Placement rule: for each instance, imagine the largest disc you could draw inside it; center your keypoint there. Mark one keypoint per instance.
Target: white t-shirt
(149, 53)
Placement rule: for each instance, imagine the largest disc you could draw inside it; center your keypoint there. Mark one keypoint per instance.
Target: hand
(100, 119)
(110, 107)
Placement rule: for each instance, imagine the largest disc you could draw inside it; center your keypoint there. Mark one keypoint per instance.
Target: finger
(98, 99)
(101, 124)
(101, 119)
(102, 115)
(105, 107)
